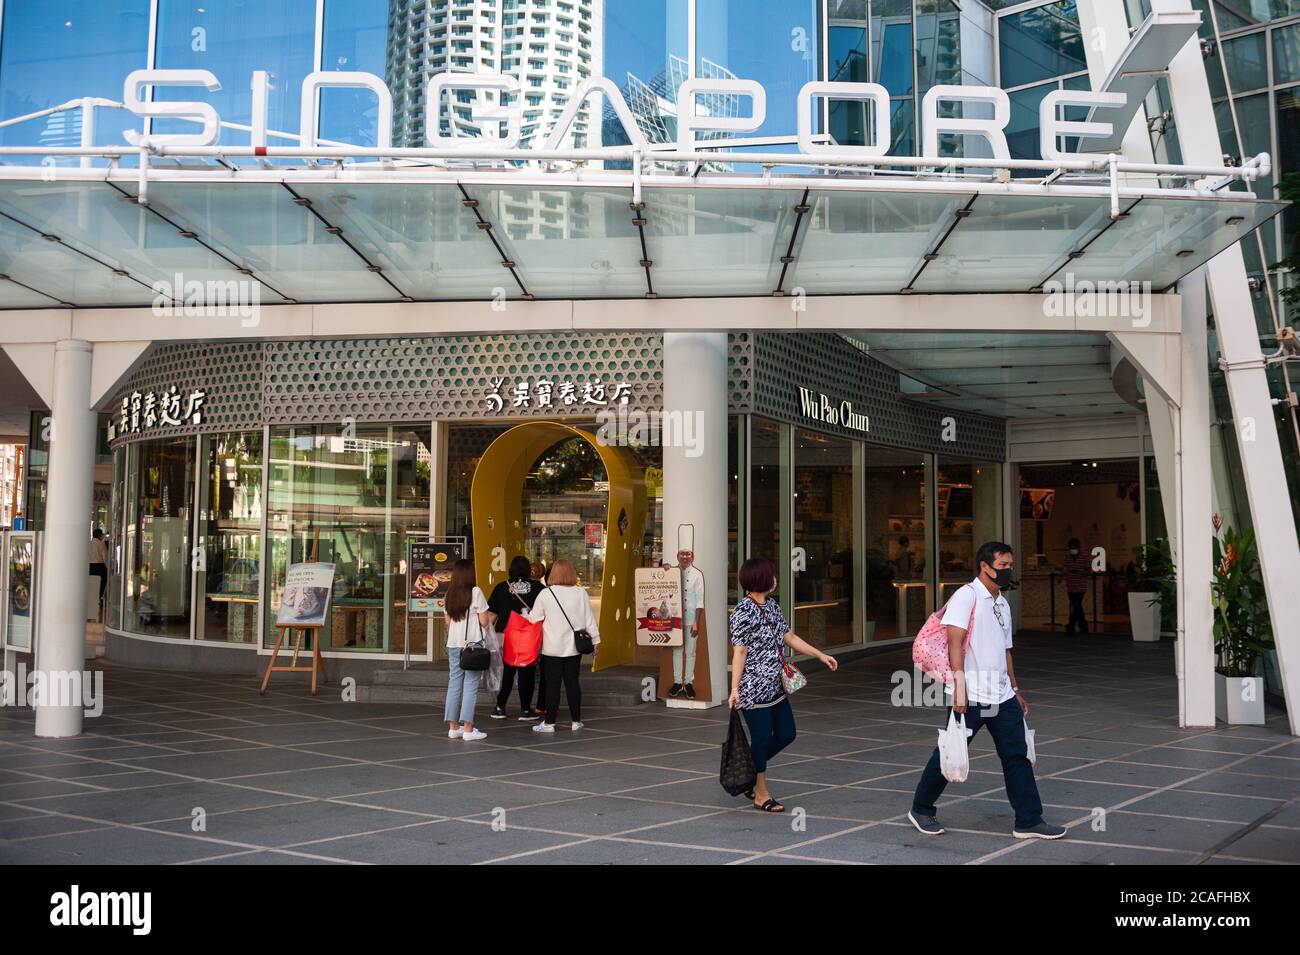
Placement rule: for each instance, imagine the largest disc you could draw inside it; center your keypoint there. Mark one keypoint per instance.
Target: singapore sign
(690, 122)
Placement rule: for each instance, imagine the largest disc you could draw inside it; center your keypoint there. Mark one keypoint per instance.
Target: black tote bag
(737, 774)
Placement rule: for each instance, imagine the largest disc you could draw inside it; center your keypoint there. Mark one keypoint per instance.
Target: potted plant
(1154, 592)
(1242, 630)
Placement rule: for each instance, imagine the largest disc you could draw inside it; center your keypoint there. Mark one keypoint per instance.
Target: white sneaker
(474, 734)
(544, 728)
(455, 734)
(577, 725)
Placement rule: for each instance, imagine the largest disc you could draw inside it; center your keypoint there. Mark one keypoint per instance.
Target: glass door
(229, 536)
(158, 528)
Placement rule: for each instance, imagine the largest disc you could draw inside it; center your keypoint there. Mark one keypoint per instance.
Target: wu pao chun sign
(658, 607)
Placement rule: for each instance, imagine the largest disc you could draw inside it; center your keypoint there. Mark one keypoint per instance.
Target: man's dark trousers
(1006, 724)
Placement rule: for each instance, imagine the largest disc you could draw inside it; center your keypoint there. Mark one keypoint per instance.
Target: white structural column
(1247, 383)
(695, 476)
(61, 640)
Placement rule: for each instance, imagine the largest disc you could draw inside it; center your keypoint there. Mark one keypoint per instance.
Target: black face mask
(1002, 577)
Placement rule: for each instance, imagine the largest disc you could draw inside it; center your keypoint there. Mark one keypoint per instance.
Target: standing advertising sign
(658, 606)
(304, 607)
(428, 573)
(20, 577)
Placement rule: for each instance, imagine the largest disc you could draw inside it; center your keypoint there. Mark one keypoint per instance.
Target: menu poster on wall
(305, 601)
(428, 573)
(658, 606)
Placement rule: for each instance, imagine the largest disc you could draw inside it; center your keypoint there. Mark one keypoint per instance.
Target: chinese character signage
(167, 409)
(428, 572)
(542, 393)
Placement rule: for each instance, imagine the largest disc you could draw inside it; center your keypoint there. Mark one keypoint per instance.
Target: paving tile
(440, 843)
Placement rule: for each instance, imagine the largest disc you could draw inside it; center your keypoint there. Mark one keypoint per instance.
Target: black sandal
(748, 794)
(770, 806)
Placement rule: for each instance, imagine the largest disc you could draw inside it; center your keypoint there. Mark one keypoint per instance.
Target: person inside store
(515, 594)
(467, 617)
(565, 611)
(692, 614)
(985, 692)
(1077, 572)
(99, 563)
(759, 636)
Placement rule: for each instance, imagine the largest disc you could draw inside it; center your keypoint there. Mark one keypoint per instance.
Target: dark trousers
(1076, 614)
(100, 571)
(1006, 723)
(562, 670)
(771, 729)
(526, 677)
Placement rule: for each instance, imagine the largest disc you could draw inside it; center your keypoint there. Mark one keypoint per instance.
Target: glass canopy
(86, 243)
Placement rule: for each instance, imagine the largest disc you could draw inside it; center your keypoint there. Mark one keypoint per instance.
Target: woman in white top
(562, 607)
(467, 616)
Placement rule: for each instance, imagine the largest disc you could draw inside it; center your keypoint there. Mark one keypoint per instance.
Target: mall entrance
(1099, 504)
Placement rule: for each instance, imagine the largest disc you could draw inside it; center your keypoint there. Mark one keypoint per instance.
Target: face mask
(1002, 577)
(1074, 552)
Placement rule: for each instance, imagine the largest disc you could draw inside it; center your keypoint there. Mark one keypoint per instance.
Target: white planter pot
(1144, 617)
(1239, 700)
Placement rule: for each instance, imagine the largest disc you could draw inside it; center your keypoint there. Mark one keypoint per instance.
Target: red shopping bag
(523, 641)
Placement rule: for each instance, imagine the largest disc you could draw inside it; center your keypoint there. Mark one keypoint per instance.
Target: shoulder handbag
(523, 641)
(792, 679)
(475, 656)
(581, 638)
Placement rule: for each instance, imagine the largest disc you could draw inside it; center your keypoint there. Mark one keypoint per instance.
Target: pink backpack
(930, 648)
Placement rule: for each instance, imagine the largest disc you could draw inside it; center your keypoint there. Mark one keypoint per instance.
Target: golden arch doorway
(497, 516)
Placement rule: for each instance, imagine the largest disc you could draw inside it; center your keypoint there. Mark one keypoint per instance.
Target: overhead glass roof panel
(716, 241)
(421, 234)
(1009, 242)
(1162, 239)
(568, 243)
(864, 242)
(13, 295)
(105, 223)
(57, 271)
(259, 225)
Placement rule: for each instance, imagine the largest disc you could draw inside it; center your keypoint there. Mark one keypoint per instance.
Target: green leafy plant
(1242, 631)
(1156, 575)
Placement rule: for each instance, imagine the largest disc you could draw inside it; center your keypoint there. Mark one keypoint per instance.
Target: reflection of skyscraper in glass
(549, 46)
(654, 104)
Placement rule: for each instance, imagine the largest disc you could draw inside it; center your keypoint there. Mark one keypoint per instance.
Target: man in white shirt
(692, 611)
(984, 691)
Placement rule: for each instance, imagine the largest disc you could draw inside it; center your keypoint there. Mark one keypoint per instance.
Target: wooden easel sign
(304, 606)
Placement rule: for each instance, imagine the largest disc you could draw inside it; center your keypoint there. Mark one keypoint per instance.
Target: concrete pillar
(61, 640)
(1195, 556)
(695, 477)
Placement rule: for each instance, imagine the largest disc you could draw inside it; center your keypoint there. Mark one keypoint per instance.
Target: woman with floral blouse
(759, 633)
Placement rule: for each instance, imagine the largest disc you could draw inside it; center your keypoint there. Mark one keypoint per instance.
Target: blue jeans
(462, 690)
(771, 729)
(1006, 723)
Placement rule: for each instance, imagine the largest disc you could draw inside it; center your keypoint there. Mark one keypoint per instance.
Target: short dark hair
(989, 552)
(520, 568)
(1072, 542)
(757, 575)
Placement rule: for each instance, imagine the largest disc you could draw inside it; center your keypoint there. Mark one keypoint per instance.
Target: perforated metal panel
(448, 378)
(230, 374)
(740, 372)
(827, 363)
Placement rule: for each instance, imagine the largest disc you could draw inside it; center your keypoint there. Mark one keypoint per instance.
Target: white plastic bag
(1029, 745)
(495, 642)
(954, 757)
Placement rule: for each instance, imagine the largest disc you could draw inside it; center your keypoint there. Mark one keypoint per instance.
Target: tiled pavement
(291, 779)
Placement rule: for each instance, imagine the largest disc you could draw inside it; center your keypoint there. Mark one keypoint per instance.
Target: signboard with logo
(428, 573)
(305, 600)
(658, 606)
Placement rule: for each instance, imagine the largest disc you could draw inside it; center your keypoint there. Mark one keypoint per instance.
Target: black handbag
(581, 638)
(737, 774)
(475, 656)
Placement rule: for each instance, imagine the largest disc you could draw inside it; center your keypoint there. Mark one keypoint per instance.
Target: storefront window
(354, 501)
(824, 532)
(159, 513)
(230, 534)
(769, 493)
(113, 538)
(898, 543)
(969, 509)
